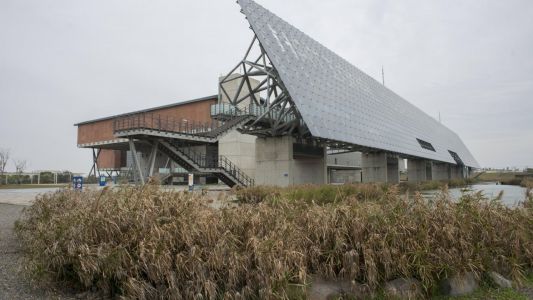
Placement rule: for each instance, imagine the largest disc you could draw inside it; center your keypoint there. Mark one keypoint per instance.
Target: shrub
(147, 243)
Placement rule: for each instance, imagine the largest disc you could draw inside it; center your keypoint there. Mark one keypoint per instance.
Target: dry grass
(144, 243)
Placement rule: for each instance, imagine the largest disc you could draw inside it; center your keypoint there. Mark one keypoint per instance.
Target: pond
(512, 194)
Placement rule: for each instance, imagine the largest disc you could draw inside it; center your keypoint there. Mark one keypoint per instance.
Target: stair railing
(236, 172)
(216, 162)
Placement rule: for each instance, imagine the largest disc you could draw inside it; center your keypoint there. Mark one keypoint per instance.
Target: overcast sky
(66, 61)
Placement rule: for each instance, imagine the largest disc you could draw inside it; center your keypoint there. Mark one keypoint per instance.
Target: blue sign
(77, 183)
(103, 180)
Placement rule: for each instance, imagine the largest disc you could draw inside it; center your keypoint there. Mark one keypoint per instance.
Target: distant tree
(4, 158)
(64, 177)
(47, 177)
(20, 167)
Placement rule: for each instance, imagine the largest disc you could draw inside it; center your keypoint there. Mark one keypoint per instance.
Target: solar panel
(337, 101)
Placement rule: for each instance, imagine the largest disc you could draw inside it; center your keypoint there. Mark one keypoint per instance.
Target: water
(512, 194)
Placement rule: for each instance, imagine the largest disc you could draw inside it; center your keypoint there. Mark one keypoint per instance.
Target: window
(425, 145)
(456, 157)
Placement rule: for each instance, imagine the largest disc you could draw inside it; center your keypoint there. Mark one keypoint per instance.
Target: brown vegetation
(145, 243)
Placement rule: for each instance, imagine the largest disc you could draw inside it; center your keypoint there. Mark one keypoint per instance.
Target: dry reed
(145, 243)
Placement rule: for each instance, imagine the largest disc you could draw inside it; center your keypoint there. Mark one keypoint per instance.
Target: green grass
(30, 186)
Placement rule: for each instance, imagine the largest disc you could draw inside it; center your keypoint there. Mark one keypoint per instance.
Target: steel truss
(269, 101)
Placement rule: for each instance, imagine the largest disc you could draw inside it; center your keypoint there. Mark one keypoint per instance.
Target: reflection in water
(512, 194)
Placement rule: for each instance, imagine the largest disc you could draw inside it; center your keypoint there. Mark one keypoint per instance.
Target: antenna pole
(383, 74)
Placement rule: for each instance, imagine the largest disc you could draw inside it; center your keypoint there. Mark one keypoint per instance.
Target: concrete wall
(343, 175)
(393, 170)
(232, 87)
(350, 159)
(374, 167)
(379, 167)
(275, 164)
(440, 171)
(240, 149)
(456, 172)
(417, 170)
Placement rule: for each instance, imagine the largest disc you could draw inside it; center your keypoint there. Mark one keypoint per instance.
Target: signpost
(191, 182)
(103, 180)
(77, 183)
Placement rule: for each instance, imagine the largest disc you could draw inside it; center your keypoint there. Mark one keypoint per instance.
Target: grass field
(512, 178)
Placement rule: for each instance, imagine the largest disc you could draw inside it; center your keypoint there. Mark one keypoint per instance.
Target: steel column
(136, 160)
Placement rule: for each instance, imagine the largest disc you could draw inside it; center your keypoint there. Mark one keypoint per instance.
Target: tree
(20, 167)
(4, 158)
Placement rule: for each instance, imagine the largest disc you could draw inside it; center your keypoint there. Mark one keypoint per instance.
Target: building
(298, 113)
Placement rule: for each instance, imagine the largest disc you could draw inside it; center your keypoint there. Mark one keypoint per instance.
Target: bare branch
(20, 166)
(4, 158)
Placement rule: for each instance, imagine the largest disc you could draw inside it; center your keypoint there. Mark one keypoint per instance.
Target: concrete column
(440, 171)
(240, 149)
(276, 164)
(456, 172)
(417, 170)
(374, 167)
(380, 167)
(393, 170)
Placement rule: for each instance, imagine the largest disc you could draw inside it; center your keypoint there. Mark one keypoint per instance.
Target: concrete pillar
(456, 172)
(393, 170)
(417, 170)
(440, 171)
(277, 165)
(240, 149)
(374, 167)
(378, 167)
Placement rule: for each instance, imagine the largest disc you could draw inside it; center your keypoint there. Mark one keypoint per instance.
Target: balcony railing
(163, 123)
(228, 110)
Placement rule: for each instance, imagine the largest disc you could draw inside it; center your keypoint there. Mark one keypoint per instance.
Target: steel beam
(136, 160)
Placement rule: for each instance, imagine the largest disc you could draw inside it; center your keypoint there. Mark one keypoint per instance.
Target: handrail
(163, 123)
(227, 109)
(214, 162)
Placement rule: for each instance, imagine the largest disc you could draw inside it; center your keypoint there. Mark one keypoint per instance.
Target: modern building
(297, 113)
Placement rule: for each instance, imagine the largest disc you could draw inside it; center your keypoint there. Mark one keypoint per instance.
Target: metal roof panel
(340, 102)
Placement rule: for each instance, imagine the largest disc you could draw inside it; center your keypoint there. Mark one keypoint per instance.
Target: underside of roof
(337, 101)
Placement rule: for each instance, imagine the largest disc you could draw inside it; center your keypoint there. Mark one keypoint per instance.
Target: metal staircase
(219, 166)
(227, 126)
(174, 134)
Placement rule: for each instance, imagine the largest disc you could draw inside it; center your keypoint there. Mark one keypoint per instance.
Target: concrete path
(12, 284)
(22, 196)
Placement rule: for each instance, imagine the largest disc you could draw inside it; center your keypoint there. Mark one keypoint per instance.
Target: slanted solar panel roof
(339, 102)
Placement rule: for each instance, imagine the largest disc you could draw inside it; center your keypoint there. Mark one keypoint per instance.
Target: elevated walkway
(175, 136)
(163, 127)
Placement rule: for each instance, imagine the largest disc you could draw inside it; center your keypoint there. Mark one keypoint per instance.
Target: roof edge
(148, 109)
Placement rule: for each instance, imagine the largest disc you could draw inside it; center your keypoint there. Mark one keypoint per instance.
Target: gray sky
(66, 61)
